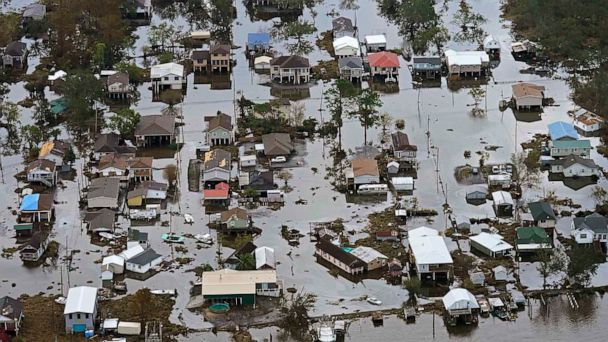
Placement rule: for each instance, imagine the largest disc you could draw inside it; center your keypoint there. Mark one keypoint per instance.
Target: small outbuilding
(490, 244)
(503, 203)
(460, 304)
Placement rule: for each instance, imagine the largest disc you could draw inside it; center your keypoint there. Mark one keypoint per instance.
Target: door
(78, 328)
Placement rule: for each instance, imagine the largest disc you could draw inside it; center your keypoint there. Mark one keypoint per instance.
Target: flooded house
(14, 55)
(258, 42)
(248, 161)
(466, 63)
(220, 58)
(143, 262)
(53, 150)
(167, 76)
(118, 86)
(375, 42)
(384, 65)
(110, 143)
(264, 258)
(562, 131)
(218, 196)
(262, 64)
(590, 229)
(503, 203)
(564, 148)
(392, 167)
(403, 151)
(137, 236)
(403, 183)
(476, 197)
(200, 60)
(395, 268)
(500, 273)
(217, 165)
(37, 208)
(543, 216)
(42, 171)
(260, 181)
(587, 122)
(531, 240)
(277, 144)
(11, 316)
(103, 193)
(239, 288)
(102, 220)
(219, 129)
(140, 169)
(346, 47)
(500, 180)
(492, 245)
(80, 311)
(338, 257)
(574, 166)
(363, 171)
(33, 12)
(372, 259)
(460, 305)
(155, 130)
(290, 69)
(23, 229)
(388, 235)
(528, 96)
(146, 194)
(491, 46)
(429, 254)
(235, 219)
(111, 165)
(114, 264)
(34, 249)
(342, 27)
(426, 67)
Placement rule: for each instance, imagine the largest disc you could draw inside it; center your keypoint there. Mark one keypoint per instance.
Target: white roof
(459, 299)
(161, 70)
(110, 323)
(499, 268)
(375, 39)
(491, 42)
(248, 158)
(466, 57)
(57, 75)
(226, 281)
(428, 249)
(113, 259)
(200, 34)
(107, 72)
(131, 252)
(81, 299)
(501, 177)
(367, 254)
(501, 197)
(393, 163)
(422, 231)
(402, 180)
(264, 256)
(493, 242)
(259, 147)
(495, 302)
(346, 41)
(262, 60)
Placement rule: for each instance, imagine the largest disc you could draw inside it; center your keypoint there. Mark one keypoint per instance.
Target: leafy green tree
(124, 121)
(296, 317)
(80, 91)
(551, 262)
(582, 266)
(99, 56)
(10, 141)
(160, 34)
(299, 31)
(246, 262)
(43, 116)
(478, 94)
(339, 99)
(31, 135)
(415, 15)
(70, 156)
(368, 103)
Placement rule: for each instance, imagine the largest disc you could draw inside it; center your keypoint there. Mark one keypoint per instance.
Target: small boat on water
(188, 219)
(484, 306)
(204, 238)
(60, 300)
(499, 310)
(326, 333)
(167, 292)
(172, 238)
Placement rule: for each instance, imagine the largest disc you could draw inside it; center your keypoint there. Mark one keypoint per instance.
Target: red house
(384, 65)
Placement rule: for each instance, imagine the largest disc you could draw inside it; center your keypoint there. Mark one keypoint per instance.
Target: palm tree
(246, 262)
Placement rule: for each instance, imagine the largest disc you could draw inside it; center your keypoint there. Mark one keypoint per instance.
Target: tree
(477, 93)
(469, 23)
(285, 176)
(296, 114)
(415, 15)
(80, 91)
(368, 103)
(31, 136)
(142, 305)
(43, 116)
(339, 100)
(551, 262)
(522, 174)
(9, 121)
(70, 156)
(385, 122)
(246, 262)
(124, 121)
(170, 174)
(599, 195)
(413, 285)
(400, 124)
(297, 30)
(160, 34)
(295, 316)
(250, 193)
(582, 266)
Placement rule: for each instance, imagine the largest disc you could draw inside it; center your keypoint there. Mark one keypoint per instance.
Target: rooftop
(493, 242)
(367, 254)
(81, 299)
(228, 282)
(155, 125)
(560, 129)
(104, 187)
(429, 249)
(342, 24)
(160, 70)
(217, 158)
(459, 299)
(365, 167)
(383, 59)
(541, 211)
(527, 90)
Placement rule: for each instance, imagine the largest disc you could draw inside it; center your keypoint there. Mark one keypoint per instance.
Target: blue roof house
(258, 41)
(561, 130)
(36, 208)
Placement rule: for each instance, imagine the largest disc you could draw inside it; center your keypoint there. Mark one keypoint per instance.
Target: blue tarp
(561, 129)
(261, 39)
(30, 202)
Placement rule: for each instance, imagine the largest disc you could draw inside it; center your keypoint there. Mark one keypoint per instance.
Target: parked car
(475, 171)
(374, 301)
(279, 159)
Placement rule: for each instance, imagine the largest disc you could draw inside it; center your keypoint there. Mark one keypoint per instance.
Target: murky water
(442, 111)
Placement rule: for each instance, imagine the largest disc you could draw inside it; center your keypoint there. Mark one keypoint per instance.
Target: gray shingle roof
(594, 222)
(145, 257)
(351, 63)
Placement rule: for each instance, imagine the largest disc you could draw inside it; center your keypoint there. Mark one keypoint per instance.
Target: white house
(500, 273)
(528, 96)
(491, 45)
(466, 63)
(80, 309)
(248, 161)
(429, 254)
(590, 228)
(42, 171)
(403, 183)
(392, 167)
(219, 129)
(587, 122)
(167, 76)
(563, 148)
(144, 261)
(459, 302)
(575, 166)
(264, 258)
(375, 42)
(490, 244)
(262, 63)
(346, 47)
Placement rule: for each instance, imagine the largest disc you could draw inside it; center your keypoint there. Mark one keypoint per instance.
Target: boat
(172, 238)
(484, 306)
(188, 219)
(374, 301)
(326, 333)
(204, 238)
(60, 300)
(167, 292)
(498, 308)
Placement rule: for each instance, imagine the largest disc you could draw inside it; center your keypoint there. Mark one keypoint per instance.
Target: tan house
(140, 169)
(200, 60)
(118, 86)
(277, 144)
(235, 219)
(528, 96)
(219, 129)
(111, 165)
(220, 58)
(290, 69)
(155, 130)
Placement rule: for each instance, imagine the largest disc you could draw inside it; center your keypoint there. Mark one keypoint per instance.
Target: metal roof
(560, 129)
(81, 299)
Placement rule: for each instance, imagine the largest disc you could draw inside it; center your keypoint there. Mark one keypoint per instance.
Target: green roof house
(543, 216)
(532, 239)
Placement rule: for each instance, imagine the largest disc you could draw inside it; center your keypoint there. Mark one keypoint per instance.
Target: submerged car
(279, 159)
(374, 301)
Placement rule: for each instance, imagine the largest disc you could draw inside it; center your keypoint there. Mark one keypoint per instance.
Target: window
(177, 78)
(583, 236)
(166, 78)
(70, 316)
(86, 316)
(78, 316)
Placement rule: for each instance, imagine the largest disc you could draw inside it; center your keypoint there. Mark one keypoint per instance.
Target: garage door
(77, 328)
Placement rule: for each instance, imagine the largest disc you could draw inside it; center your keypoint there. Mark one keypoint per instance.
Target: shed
(114, 263)
(477, 278)
(503, 203)
(490, 244)
(392, 167)
(500, 273)
(491, 45)
(403, 183)
(375, 42)
(459, 301)
(129, 328)
(248, 161)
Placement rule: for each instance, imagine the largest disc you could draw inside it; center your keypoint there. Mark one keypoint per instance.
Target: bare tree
(522, 174)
